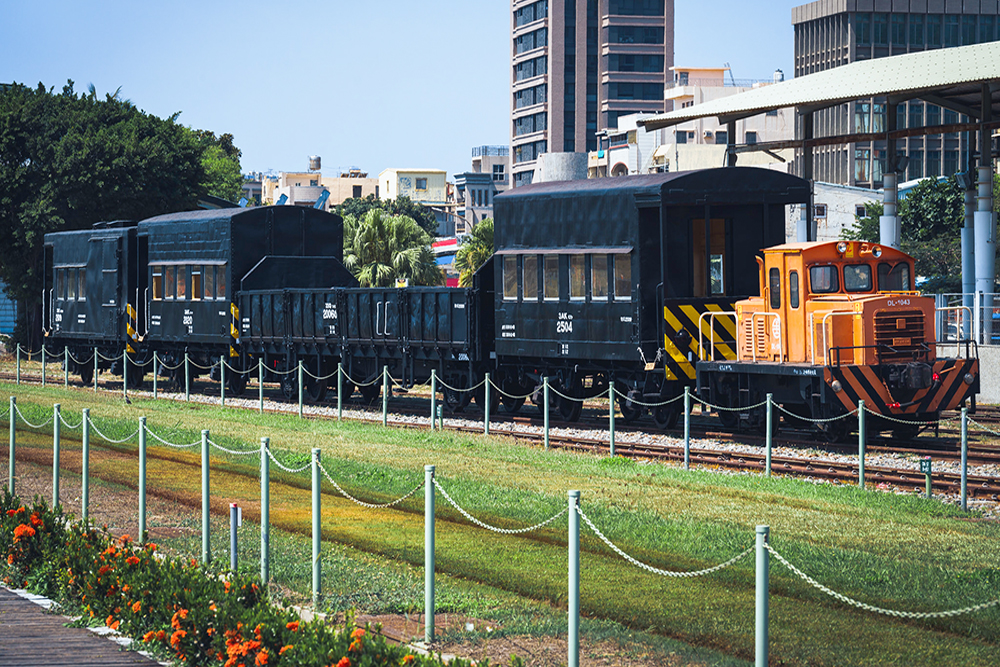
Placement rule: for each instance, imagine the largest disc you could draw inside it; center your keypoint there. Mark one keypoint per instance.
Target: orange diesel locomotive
(837, 323)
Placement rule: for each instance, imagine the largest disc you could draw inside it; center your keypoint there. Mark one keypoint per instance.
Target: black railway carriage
(589, 272)
(92, 300)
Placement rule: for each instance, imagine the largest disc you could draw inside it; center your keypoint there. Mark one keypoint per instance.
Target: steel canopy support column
(985, 224)
(806, 228)
(731, 144)
(889, 233)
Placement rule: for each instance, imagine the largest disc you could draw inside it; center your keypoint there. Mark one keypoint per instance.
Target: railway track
(409, 410)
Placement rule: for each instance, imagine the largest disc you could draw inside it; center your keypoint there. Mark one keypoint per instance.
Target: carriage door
(111, 278)
(390, 301)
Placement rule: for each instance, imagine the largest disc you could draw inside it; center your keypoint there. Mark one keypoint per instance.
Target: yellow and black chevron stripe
(234, 329)
(132, 322)
(682, 350)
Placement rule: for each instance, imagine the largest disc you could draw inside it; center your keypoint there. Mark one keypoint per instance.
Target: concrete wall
(989, 371)
(395, 183)
(560, 167)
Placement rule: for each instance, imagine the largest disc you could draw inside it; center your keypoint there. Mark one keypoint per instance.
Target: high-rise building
(577, 65)
(830, 33)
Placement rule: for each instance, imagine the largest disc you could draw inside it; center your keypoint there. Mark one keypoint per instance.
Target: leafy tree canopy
(358, 207)
(380, 248)
(475, 250)
(68, 160)
(221, 161)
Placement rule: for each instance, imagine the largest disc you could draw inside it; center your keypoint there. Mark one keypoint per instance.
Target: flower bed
(181, 610)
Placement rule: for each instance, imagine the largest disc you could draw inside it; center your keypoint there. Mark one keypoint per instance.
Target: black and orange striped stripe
(863, 383)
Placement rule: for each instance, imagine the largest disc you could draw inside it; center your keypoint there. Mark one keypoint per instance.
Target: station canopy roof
(953, 78)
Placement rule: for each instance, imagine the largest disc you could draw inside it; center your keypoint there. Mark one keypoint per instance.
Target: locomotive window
(858, 278)
(530, 274)
(623, 277)
(894, 278)
(209, 282)
(220, 282)
(824, 279)
(577, 277)
(510, 277)
(196, 283)
(157, 283)
(551, 274)
(82, 274)
(793, 289)
(718, 278)
(774, 287)
(61, 284)
(599, 277)
(181, 282)
(169, 282)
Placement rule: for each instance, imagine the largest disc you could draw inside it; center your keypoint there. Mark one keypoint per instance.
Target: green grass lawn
(901, 552)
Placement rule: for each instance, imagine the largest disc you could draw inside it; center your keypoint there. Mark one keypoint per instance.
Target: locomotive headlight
(842, 247)
(836, 386)
(969, 379)
(877, 252)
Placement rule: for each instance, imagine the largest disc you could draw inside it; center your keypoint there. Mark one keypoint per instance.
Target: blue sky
(369, 83)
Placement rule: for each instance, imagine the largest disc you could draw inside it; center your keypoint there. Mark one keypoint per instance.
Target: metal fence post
(385, 395)
(545, 409)
(260, 385)
(125, 374)
(861, 443)
(965, 458)
(142, 479)
(234, 513)
(55, 454)
(187, 379)
(43, 364)
(340, 390)
(611, 417)
(433, 397)
(428, 553)
(206, 547)
(573, 643)
(66, 366)
(316, 527)
(18, 375)
(770, 435)
(687, 427)
(486, 405)
(762, 595)
(265, 510)
(85, 466)
(156, 375)
(97, 368)
(13, 445)
(222, 385)
(300, 388)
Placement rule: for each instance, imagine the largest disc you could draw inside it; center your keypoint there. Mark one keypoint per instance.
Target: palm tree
(475, 250)
(380, 248)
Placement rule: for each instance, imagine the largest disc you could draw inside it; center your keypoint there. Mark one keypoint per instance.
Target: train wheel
(511, 404)
(315, 389)
(289, 386)
(236, 383)
(667, 416)
(452, 399)
(370, 392)
(480, 398)
(834, 432)
(630, 409)
(347, 387)
(86, 373)
(136, 374)
(570, 405)
(905, 431)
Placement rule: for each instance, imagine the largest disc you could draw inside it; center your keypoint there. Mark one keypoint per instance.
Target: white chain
(377, 378)
(502, 531)
(730, 409)
(317, 377)
(636, 401)
(516, 398)
(905, 421)
(237, 371)
(113, 442)
(448, 386)
(168, 367)
(984, 428)
(81, 363)
(656, 570)
(106, 358)
(204, 368)
(286, 469)
(67, 424)
(816, 421)
(570, 398)
(21, 415)
(878, 610)
(361, 502)
(170, 444)
(235, 452)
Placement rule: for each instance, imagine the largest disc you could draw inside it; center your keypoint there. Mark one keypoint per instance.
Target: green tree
(220, 159)
(68, 161)
(475, 250)
(359, 207)
(380, 248)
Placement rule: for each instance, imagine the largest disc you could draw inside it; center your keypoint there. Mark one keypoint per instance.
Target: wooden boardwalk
(30, 637)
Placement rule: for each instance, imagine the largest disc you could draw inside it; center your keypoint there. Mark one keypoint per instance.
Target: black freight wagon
(606, 279)
(198, 262)
(93, 295)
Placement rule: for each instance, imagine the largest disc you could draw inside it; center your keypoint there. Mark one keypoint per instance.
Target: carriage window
(510, 277)
(894, 278)
(72, 285)
(716, 268)
(157, 283)
(530, 274)
(824, 279)
(551, 274)
(209, 282)
(858, 278)
(82, 275)
(195, 283)
(793, 289)
(61, 284)
(170, 282)
(774, 287)
(577, 277)
(623, 277)
(181, 282)
(599, 277)
(220, 282)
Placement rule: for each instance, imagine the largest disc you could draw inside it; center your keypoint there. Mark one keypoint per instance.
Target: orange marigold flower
(227, 585)
(211, 607)
(136, 607)
(286, 647)
(23, 530)
(104, 569)
(175, 639)
(183, 613)
(408, 659)
(293, 626)
(231, 662)
(35, 520)
(109, 620)
(262, 657)
(358, 633)
(161, 635)
(210, 631)
(344, 662)
(194, 562)
(132, 560)
(256, 631)
(125, 539)
(10, 559)
(151, 546)
(114, 626)
(126, 588)
(149, 636)
(356, 645)
(251, 645)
